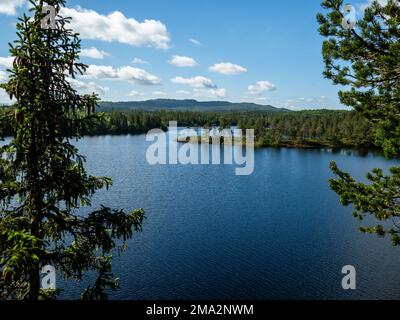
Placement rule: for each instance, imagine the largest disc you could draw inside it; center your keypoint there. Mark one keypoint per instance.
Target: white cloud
(134, 93)
(260, 87)
(139, 61)
(6, 61)
(83, 87)
(115, 27)
(210, 93)
(196, 42)
(4, 97)
(195, 82)
(202, 87)
(3, 77)
(137, 75)
(159, 93)
(126, 73)
(9, 7)
(182, 61)
(94, 53)
(227, 68)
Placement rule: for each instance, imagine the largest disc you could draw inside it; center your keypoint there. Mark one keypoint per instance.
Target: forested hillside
(186, 105)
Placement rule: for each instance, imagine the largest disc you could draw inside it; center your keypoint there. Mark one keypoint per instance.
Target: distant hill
(186, 105)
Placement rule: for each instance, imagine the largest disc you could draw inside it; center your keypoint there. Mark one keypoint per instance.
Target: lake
(279, 233)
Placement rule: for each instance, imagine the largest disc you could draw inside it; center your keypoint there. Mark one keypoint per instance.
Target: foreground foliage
(42, 176)
(367, 60)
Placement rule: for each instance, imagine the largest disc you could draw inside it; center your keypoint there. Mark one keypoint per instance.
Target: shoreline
(285, 144)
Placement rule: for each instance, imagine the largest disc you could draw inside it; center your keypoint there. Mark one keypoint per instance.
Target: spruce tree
(366, 61)
(43, 181)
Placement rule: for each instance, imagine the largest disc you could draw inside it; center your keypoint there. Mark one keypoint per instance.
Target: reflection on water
(277, 234)
(361, 152)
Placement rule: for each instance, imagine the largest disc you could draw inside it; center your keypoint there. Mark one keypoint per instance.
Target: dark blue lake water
(277, 234)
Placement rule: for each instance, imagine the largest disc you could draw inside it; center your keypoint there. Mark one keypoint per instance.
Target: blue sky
(262, 51)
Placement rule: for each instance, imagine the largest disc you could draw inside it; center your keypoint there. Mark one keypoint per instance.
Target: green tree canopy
(43, 181)
(366, 61)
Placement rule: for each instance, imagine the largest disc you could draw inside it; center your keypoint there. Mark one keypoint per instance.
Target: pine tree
(43, 181)
(366, 59)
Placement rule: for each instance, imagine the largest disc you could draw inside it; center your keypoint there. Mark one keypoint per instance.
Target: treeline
(6, 122)
(317, 128)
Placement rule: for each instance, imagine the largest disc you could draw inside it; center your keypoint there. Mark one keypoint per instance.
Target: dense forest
(318, 128)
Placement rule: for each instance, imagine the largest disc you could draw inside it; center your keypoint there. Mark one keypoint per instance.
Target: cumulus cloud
(137, 75)
(195, 82)
(126, 73)
(227, 68)
(6, 62)
(210, 93)
(260, 87)
(182, 61)
(9, 7)
(115, 27)
(85, 88)
(202, 87)
(94, 53)
(196, 42)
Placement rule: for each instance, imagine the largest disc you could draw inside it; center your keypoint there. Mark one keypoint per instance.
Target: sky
(262, 51)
